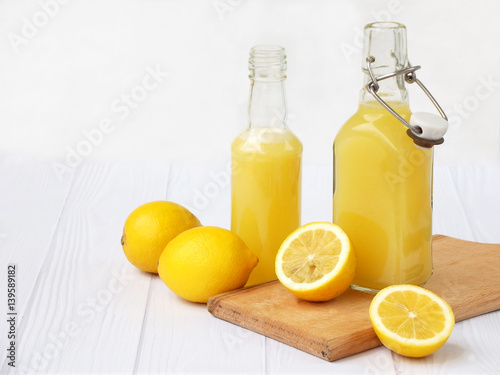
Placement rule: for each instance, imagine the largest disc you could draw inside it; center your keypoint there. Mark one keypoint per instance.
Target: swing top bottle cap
(433, 127)
(385, 57)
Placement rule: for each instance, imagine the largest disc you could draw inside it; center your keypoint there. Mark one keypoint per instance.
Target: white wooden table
(82, 308)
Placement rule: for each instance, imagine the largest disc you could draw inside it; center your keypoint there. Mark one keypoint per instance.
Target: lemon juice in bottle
(382, 189)
(266, 166)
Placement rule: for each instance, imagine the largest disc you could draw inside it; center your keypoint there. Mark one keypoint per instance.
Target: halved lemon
(316, 262)
(410, 320)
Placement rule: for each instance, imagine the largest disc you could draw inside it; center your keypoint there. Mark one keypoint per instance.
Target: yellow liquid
(383, 197)
(265, 187)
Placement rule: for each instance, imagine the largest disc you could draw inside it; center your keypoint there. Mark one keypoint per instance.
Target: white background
(63, 75)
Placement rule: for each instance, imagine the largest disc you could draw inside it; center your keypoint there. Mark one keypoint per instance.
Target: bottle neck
(385, 47)
(391, 90)
(267, 104)
(267, 66)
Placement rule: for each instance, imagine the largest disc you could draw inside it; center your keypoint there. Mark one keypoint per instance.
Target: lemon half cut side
(410, 320)
(316, 262)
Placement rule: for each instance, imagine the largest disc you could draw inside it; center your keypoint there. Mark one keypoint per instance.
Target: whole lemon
(206, 261)
(149, 228)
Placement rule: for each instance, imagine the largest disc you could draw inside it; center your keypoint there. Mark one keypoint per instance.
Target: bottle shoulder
(375, 124)
(267, 141)
(374, 115)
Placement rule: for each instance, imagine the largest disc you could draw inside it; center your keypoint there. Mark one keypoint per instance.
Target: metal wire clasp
(410, 77)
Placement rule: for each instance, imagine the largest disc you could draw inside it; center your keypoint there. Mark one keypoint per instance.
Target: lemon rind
(326, 278)
(440, 337)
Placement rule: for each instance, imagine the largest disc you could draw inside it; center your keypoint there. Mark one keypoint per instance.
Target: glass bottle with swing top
(383, 161)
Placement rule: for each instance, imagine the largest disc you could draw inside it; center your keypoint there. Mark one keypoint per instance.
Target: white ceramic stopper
(433, 126)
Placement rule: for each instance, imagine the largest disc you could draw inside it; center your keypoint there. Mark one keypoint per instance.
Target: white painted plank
(181, 336)
(88, 309)
(449, 215)
(205, 189)
(31, 201)
(479, 191)
(142, 326)
(317, 193)
(284, 359)
(472, 348)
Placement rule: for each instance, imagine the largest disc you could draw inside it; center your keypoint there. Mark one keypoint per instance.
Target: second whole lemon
(206, 261)
(150, 227)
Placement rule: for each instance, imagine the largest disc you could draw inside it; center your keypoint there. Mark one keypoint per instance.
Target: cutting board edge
(326, 349)
(223, 309)
(490, 306)
(213, 300)
(335, 354)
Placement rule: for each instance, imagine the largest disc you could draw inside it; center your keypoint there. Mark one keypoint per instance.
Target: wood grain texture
(86, 313)
(65, 237)
(477, 189)
(463, 274)
(448, 203)
(32, 198)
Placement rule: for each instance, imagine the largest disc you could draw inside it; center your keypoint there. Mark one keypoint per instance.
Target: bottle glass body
(382, 194)
(266, 167)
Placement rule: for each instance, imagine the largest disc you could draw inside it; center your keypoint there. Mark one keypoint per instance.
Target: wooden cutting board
(466, 275)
